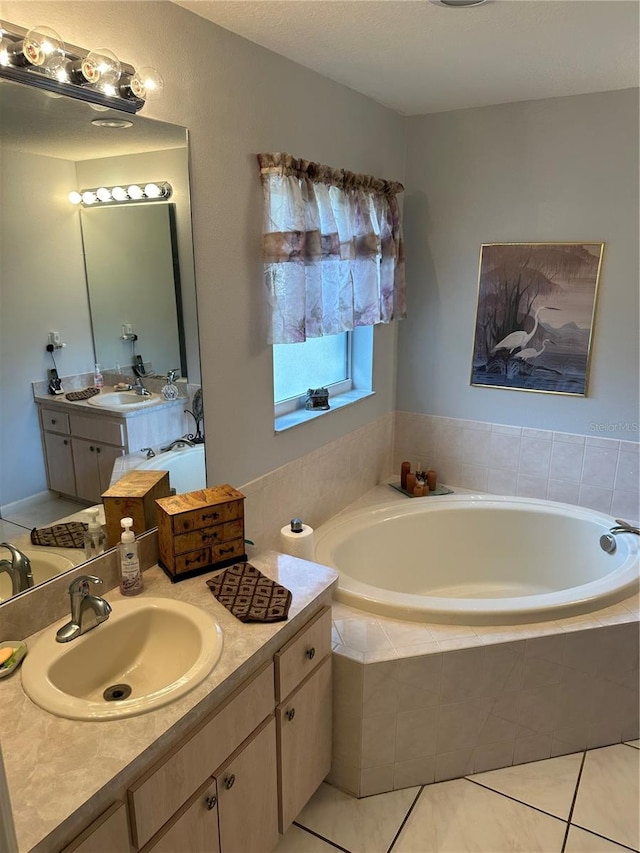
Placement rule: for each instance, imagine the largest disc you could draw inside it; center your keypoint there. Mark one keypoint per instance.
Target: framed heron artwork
(536, 304)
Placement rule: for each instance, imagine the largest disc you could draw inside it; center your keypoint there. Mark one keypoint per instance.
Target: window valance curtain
(333, 249)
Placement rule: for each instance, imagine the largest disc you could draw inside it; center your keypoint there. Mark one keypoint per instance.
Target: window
(342, 363)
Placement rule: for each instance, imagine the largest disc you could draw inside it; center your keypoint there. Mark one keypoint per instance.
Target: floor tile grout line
(604, 837)
(573, 801)
(321, 837)
(630, 745)
(406, 818)
(514, 799)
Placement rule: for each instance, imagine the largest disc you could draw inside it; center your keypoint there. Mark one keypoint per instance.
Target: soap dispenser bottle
(94, 537)
(131, 583)
(98, 379)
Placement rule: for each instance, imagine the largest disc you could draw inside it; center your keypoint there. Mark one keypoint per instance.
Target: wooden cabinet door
(85, 460)
(194, 829)
(106, 457)
(61, 476)
(304, 742)
(248, 795)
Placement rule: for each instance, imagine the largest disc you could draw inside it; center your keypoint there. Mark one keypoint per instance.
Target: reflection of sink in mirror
(185, 466)
(124, 400)
(44, 566)
(158, 647)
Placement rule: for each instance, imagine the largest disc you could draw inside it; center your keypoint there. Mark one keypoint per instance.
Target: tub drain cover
(117, 692)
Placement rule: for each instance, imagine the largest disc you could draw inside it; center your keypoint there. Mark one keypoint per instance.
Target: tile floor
(41, 510)
(581, 803)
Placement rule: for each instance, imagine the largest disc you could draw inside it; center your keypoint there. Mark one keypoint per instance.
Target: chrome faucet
(87, 611)
(608, 540)
(179, 442)
(139, 388)
(18, 569)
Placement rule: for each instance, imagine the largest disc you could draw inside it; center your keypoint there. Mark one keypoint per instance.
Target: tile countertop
(60, 401)
(68, 771)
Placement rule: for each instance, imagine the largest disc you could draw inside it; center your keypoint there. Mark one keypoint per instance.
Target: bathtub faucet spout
(624, 527)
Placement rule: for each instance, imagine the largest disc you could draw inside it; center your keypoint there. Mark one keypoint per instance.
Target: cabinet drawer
(199, 539)
(303, 653)
(227, 550)
(109, 832)
(199, 518)
(170, 783)
(55, 421)
(98, 429)
(192, 560)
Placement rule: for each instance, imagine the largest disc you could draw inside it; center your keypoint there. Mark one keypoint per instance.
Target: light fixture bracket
(42, 79)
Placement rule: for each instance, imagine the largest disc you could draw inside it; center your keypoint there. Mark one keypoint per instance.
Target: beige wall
(238, 99)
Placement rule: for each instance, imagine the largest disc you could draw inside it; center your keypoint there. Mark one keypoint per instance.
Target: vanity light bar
(155, 191)
(39, 57)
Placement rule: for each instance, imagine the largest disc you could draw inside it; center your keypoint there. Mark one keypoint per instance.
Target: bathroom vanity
(225, 768)
(81, 442)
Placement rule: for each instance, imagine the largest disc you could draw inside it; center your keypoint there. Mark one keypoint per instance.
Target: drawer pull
(192, 561)
(213, 515)
(229, 781)
(211, 802)
(290, 714)
(311, 653)
(227, 550)
(206, 536)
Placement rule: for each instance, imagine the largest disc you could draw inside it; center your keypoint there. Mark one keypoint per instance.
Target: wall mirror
(51, 145)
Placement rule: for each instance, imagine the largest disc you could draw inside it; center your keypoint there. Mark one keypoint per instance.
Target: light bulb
(135, 191)
(43, 48)
(103, 194)
(146, 83)
(101, 67)
(88, 197)
(74, 197)
(119, 193)
(152, 191)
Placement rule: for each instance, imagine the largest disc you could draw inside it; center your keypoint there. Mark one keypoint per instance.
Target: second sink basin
(149, 652)
(123, 400)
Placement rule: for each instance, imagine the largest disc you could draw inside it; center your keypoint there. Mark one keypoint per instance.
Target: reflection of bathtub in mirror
(185, 465)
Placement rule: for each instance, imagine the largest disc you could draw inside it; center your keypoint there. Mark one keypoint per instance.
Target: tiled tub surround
(320, 484)
(591, 471)
(416, 703)
(422, 703)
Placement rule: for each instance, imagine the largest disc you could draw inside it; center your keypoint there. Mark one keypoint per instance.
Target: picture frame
(534, 318)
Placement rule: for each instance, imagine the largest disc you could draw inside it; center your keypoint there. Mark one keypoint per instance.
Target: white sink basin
(123, 400)
(158, 647)
(44, 566)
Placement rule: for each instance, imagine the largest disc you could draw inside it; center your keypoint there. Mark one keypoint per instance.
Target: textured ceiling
(418, 57)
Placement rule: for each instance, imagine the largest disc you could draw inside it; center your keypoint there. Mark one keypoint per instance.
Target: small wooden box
(134, 495)
(201, 530)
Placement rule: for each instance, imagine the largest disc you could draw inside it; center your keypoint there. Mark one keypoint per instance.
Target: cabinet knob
(290, 714)
(211, 802)
(229, 781)
(65, 441)
(97, 450)
(91, 448)
(54, 421)
(311, 653)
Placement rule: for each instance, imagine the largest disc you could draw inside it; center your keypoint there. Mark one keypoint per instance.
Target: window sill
(301, 416)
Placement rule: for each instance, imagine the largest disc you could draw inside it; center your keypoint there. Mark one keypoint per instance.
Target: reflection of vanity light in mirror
(47, 145)
(40, 58)
(156, 191)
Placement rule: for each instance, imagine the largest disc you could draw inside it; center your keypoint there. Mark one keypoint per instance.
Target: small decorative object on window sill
(317, 399)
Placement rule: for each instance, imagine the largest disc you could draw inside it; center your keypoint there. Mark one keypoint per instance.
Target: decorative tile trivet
(82, 395)
(69, 535)
(249, 595)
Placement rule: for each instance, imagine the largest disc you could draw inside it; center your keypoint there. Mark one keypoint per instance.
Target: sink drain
(117, 692)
